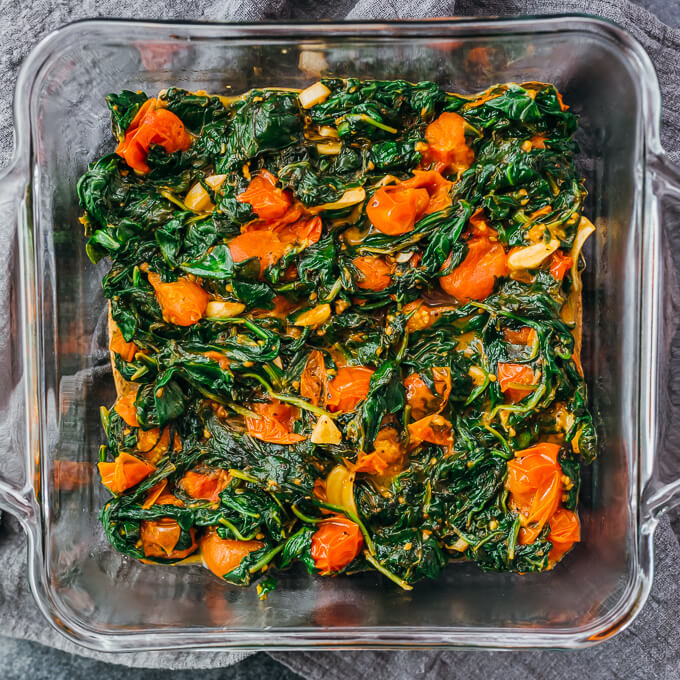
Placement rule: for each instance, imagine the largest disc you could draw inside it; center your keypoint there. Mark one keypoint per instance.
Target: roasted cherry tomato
(335, 544)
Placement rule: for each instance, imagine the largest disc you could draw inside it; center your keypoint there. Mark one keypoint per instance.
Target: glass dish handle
(660, 405)
(16, 475)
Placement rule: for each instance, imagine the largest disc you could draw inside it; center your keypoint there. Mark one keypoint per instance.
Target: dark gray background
(20, 660)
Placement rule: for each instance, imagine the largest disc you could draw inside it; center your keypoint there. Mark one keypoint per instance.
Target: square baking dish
(55, 364)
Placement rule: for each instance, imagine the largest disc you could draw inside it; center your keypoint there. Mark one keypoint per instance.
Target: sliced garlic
(325, 432)
(328, 131)
(350, 197)
(532, 256)
(340, 488)
(198, 199)
(315, 316)
(217, 309)
(477, 374)
(404, 257)
(329, 148)
(313, 95)
(585, 229)
(460, 545)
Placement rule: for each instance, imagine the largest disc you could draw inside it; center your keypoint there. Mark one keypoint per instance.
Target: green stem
(235, 531)
(303, 517)
(386, 572)
(512, 540)
(243, 475)
(266, 558)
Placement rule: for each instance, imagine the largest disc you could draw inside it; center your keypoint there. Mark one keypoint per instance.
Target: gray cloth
(649, 648)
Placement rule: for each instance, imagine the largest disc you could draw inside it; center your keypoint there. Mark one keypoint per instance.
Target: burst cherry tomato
(419, 396)
(349, 387)
(335, 544)
(159, 538)
(446, 143)
(222, 555)
(182, 302)
(511, 377)
(437, 187)
(376, 274)
(475, 276)
(565, 530)
(560, 264)
(126, 409)
(152, 126)
(314, 379)
(205, 485)
(394, 210)
(268, 201)
(125, 472)
(264, 245)
(274, 424)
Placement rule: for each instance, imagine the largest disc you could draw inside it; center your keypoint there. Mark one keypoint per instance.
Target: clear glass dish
(54, 364)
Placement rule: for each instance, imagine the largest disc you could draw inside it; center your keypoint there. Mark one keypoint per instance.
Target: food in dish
(345, 328)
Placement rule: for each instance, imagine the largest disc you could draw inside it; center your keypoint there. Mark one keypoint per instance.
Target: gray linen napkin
(650, 647)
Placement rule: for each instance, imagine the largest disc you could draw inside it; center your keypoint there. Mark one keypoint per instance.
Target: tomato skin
(265, 245)
(275, 423)
(524, 336)
(126, 409)
(152, 126)
(376, 274)
(447, 147)
(182, 302)
(153, 443)
(205, 486)
(268, 201)
(125, 472)
(387, 453)
(222, 555)
(159, 538)
(512, 375)
(335, 544)
(394, 210)
(437, 187)
(127, 350)
(475, 276)
(560, 264)
(434, 429)
(314, 379)
(565, 530)
(419, 396)
(349, 386)
(534, 482)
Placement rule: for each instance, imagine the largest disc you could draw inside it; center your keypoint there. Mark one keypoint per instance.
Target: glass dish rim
(351, 637)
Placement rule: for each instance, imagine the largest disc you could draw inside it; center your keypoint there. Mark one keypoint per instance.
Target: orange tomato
(275, 423)
(126, 409)
(560, 264)
(335, 544)
(220, 358)
(159, 538)
(419, 396)
(268, 201)
(475, 276)
(538, 141)
(302, 233)
(479, 224)
(447, 147)
(388, 453)
(423, 316)
(314, 379)
(376, 274)
(349, 386)
(264, 245)
(534, 482)
(394, 210)
(127, 350)
(205, 486)
(434, 429)
(125, 472)
(222, 555)
(524, 336)
(152, 126)
(182, 302)
(511, 377)
(565, 530)
(153, 443)
(437, 187)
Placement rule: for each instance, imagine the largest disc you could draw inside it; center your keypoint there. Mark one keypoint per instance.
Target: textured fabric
(649, 648)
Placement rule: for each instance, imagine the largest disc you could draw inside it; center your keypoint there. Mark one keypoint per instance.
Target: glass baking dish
(54, 363)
